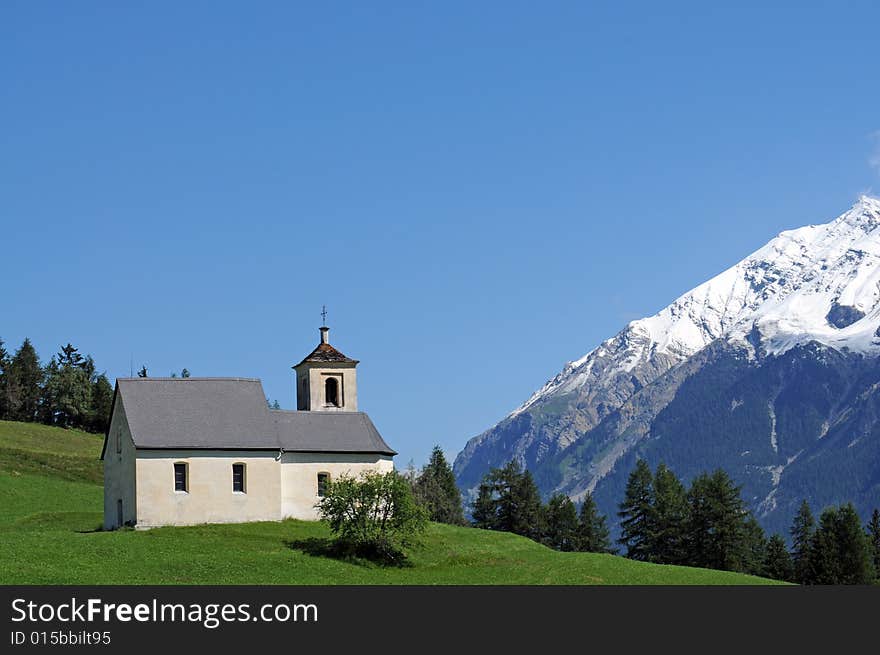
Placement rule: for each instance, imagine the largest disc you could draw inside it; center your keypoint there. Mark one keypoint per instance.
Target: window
(180, 481)
(238, 478)
(119, 513)
(331, 391)
(118, 440)
(323, 481)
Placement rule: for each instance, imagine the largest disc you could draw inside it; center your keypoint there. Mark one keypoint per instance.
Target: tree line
(708, 525)
(67, 392)
(705, 525)
(509, 501)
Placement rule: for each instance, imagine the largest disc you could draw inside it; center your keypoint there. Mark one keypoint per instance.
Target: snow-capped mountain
(814, 286)
(817, 283)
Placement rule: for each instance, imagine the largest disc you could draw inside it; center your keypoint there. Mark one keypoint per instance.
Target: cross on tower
(324, 315)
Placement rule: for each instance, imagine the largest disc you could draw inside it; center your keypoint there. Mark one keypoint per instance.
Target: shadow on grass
(365, 555)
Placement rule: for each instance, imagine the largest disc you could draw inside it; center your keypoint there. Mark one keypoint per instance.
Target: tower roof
(325, 352)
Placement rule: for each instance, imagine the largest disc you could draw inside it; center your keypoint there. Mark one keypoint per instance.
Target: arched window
(323, 481)
(331, 391)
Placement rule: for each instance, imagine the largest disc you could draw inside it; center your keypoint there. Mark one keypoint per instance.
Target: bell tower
(326, 380)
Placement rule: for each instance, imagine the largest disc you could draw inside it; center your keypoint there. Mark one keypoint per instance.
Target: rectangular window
(238, 478)
(180, 477)
(119, 440)
(323, 480)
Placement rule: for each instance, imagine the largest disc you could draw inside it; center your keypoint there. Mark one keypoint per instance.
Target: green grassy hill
(50, 486)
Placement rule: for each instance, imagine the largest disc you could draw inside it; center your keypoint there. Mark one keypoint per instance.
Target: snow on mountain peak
(814, 283)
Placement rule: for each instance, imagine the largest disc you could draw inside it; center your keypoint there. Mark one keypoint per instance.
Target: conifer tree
(874, 539)
(717, 528)
(508, 500)
(436, 490)
(493, 507)
(23, 379)
(484, 514)
(69, 356)
(854, 548)
(825, 564)
(4, 365)
(841, 552)
(636, 513)
(67, 394)
(593, 535)
(754, 547)
(777, 563)
(102, 402)
(562, 523)
(88, 365)
(505, 480)
(670, 513)
(528, 518)
(802, 530)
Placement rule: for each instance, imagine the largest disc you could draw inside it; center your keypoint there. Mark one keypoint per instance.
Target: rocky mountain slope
(775, 356)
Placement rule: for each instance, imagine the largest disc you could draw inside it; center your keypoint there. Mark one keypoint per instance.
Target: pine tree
(102, 402)
(853, 548)
(506, 508)
(88, 365)
(636, 513)
(824, 560)
(67, 394)
(4, 365)
(593, 535)
(529, 518)
(24, 378)
(562, 523)
(717, 530)
(69, 356)
(777, 563)
(755, 547)
(484, 512)
(436, 490)
(802, 530)
(670, 513)
(508, 500)
(841, 551)
(874, 538)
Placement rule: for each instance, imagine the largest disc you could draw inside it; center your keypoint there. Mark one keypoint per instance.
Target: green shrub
(373, 516)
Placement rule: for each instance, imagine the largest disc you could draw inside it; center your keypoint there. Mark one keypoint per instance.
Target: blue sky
(479, 192)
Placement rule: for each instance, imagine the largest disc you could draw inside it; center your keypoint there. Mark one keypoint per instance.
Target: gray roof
(312, 431)
(231, 413)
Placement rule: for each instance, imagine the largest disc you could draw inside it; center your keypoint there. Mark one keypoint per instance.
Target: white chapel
(184, 451)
